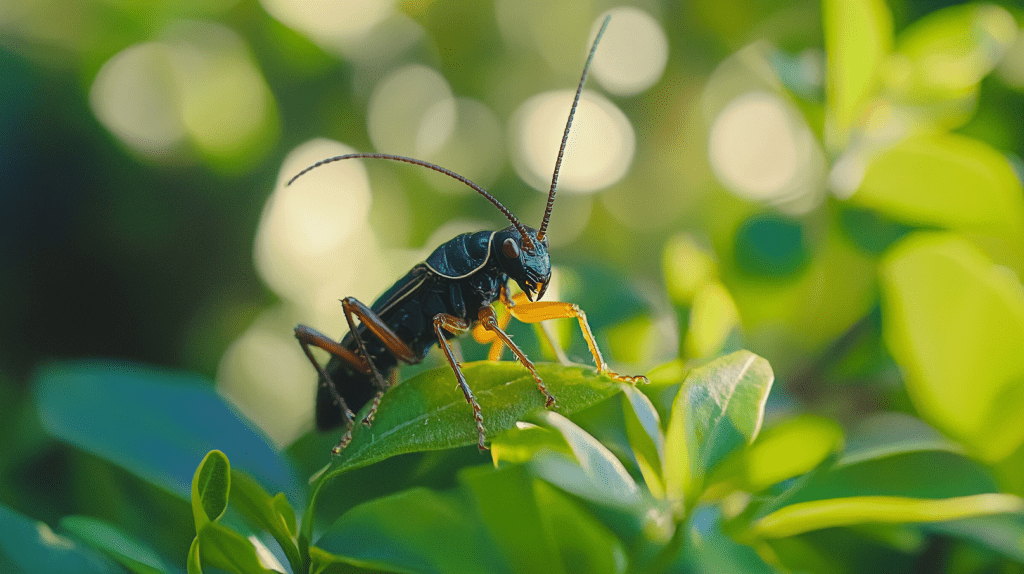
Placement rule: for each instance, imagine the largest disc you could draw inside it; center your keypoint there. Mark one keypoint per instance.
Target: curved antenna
(519, 226)
(568, 124)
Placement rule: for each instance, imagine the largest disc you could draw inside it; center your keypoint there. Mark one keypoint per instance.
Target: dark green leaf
(31, 547)
(416, 531)
(154, 423)
(509, 508)
(710, 550)
(125, 549)
(585, 545)
(429, 412)
(210, 487)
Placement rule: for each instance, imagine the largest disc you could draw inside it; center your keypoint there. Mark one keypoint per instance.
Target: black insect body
(448, 294)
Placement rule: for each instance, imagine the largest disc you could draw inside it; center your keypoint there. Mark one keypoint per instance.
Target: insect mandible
(448, 294)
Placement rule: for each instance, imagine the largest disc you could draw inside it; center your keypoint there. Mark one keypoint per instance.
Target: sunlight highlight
(600, 147)
(633, 52)
(411, 112)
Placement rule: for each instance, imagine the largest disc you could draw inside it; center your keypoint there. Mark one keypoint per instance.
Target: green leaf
(790, 449)
(947, 53)
(946, 180)
(718, 411)
(509, 508)
(888, 434)
(220, 547)
(602, 478)
(954, 322)
(522, 442)
(445, 536)
(858, 38)
(153, 423)
(585, 545)
(275, 515)
(710, 550)
(429, 412)
(806, 516)
(210, 487)
(1002, 533)
(129, 552)
(31, 547)
(194, 564)
(643, 428)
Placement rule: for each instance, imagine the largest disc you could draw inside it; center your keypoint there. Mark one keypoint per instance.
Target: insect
(448, 294)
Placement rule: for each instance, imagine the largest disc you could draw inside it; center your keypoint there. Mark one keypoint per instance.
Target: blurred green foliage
(834, 186)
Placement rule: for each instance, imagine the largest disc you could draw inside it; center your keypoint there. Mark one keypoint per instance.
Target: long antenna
(519, 226)
(568, 124)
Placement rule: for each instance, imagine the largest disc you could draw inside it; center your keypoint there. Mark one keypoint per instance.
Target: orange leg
(534, 312)
(452, 324)
(488, 318)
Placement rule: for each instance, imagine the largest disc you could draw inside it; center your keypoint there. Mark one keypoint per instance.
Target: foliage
(873, 424)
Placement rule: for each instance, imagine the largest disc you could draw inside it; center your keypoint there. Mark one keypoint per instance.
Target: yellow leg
(489, 321)
(534, 312)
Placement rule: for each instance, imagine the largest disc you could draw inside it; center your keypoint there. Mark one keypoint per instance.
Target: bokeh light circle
(411, 112)
(599, 151)
(632, 54)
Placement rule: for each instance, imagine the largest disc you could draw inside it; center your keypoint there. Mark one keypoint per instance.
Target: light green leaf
(210, 486)
(643, 428)
(429, 412)
(718, 411)
(274, 515)
(790, 449)
(803, 517)
(858, 37)
(713, 319)
(522, 442)
(710, 550)
(125, 549)
(955, 324)
(223, 548)
(946, 180)
(947, 53)
(606, 479)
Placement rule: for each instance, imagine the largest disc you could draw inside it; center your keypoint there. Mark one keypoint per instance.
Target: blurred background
(714, 195)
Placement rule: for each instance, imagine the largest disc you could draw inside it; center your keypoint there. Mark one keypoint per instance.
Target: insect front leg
(533, 312)
(454, 325)
(488, 318)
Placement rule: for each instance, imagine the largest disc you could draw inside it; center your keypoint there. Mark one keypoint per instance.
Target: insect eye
(511, 248)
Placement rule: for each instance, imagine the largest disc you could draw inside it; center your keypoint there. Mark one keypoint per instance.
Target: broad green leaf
(605, 477)
(31, 547)
(803, 517)
(509, 508)
(688, 267)
(955, 324)
(947, 53)
(153, 423)
(444, 536)
(710, 550)
(790, 449)
(585, 545)
(273, 514)
(128, 551)
(888, 434)
(211, 485)
(718, 411)
(945, 180)
(1002, 533)
(643, 428)
(714, 318)
(522, 442)
(858, 38)
(429, 412)
(221, 547)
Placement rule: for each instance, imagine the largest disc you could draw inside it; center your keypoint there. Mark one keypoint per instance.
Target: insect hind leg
(309, 337)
